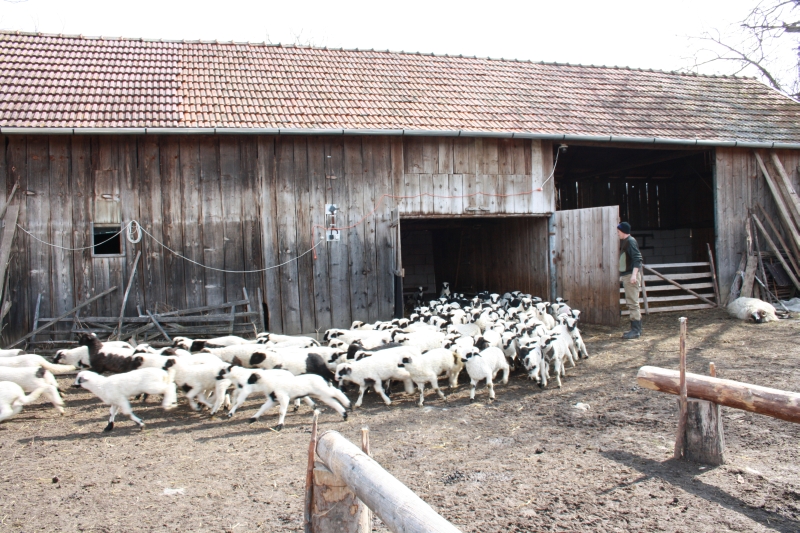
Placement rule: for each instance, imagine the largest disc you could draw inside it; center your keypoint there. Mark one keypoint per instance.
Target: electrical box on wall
(331, 233)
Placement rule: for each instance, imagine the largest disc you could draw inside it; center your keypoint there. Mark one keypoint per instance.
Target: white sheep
(423, 340)
(286, 340)
(116, 390)
(10, 353)
(482, 365)
(373, 371)
(247, 355)
(198, 379)
(572, 326)
(34, 378)
(195, 345)
(753, 309)
(427, 368)
(29, 359)
(297, 361)
(283, 389)
(12, 398)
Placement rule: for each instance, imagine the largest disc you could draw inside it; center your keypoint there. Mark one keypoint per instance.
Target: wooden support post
(712, 370)
(681, 287)
(157, 325)
(36, 315)
(785, 186)
(782, 209)
(749, 277)
(704, 438)
(775, 250)
(394, 503)
(764, 297)
(776, 403)
(9, 232)
(260, 302)
(312, 454)
(8, 202)
(778, 236)
(680, 440)
(713, 274)
(127, 291)
(53, 321)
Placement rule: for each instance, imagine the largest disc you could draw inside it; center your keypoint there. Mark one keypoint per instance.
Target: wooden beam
(8, 202)
(786, 249)
(680, 440)
(157, 325)
(713, 274)
(782, 209)
(785, 185)
(127, 291)
(394, 503)
(749, 277)
(50, 323)
(774, 249)
(679, 286)
(8, 239)
(776, 403)
(312, 453)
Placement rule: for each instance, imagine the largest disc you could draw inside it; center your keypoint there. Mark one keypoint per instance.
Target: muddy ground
(528, 462)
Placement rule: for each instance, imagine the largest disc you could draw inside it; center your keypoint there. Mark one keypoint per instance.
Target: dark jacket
(629, 256)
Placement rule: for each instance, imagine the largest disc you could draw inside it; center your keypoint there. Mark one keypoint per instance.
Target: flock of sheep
(486, 335)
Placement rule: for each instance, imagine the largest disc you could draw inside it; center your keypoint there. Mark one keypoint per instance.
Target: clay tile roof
(77, 82)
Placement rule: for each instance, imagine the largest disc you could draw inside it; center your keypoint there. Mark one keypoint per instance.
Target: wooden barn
(488, 174)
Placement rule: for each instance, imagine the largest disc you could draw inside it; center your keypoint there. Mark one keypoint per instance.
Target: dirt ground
(528, 462)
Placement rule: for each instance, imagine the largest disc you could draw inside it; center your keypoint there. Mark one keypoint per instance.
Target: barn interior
(475, 254)
(667, 195)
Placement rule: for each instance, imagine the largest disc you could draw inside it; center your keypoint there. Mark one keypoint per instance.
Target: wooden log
(127, 291)
(202, 309)
(335, 508)
(51, 322)
(764, 297)
(782, 209)
(749, 277)
(775, 250)
(704, 438)
(9, 232)
(679, 286)
(394, 503)
(738, 279)
(786, 249)
(776, 403)
(785, 186)
(157, 325)
(680, 442)
(312, 453)
(713, 274)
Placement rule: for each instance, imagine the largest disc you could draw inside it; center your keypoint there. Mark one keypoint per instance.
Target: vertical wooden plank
(37, 221)
(213, 229)
(353, 169)
(318, 189)
(441, 191)
(191, 187)
(430, 155)
(150, 216)
(108, 271)
(287, 235)
(471, 198)
(267, 170)
(456, 183)
(61, 196)
(426, 206)
(412, 153)
(445, 160)
(338, 252)
(369, 261)
(231, 186)
(464, 156)
(541, 167)
(382, 162)
(490, 158)
(412, 203)
(305, 268)
(172, 221)
(129, 180)
(251, 217)
(505, 156)
(83, 193)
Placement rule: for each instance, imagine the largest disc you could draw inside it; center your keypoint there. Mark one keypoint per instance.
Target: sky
(641, 33)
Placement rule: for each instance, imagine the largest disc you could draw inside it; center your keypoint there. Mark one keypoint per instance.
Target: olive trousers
(632, 295)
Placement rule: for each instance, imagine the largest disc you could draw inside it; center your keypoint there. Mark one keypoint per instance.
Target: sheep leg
(264, 408)
(333, 404)
(378, 387)
(361, 390)
(7, 411)
(125, 409)
(490, 386)
(435, 386)
(51, 393)
(192, 396)
(473, 383)
(220, 394)
(170, 400)
(284, 401)
(240, 398)
(110, 425)
(506, 371)
(421, 393)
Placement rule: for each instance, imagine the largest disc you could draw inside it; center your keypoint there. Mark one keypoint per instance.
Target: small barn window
(107, 239)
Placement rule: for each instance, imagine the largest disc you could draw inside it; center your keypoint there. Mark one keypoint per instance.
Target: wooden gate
(586, 262)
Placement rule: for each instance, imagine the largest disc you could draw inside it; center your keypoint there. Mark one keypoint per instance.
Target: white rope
(140, 231)
(558, 152)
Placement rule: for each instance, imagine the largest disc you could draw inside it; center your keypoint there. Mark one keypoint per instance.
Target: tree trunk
(335, 508)
(705, 441)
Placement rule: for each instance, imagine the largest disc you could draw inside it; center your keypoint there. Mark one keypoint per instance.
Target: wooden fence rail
(394, 503)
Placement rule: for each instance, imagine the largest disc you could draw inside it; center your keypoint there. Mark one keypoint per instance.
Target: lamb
(423, 340)
(373, 371)
(283, 389)
(482, 365)
(271, 339)
(30, 359)
(12, 398)
(348, 336)
(555, 349)
(32, 379)
(427, 368)
(535, 363)
(248, 355)
(753, 309)
(571, 324)
(297, 362)
(196, 379)
(80, 356)
(217, 342)
(117, 389)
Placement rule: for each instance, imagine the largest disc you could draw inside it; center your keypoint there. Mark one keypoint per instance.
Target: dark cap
(624, 227)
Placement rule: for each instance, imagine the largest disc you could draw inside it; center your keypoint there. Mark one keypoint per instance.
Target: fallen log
(784, 405)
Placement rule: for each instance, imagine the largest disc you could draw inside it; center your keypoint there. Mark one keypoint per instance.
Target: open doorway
(475, 254)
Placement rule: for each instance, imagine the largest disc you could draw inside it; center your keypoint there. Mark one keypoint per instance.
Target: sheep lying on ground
(12, 398)
(34, 378)
(753, 309)
(117, 389)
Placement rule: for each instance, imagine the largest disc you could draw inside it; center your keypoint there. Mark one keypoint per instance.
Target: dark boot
(635, 332)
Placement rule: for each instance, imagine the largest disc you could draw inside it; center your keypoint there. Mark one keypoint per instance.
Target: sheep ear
(40, 372)
(253, 378)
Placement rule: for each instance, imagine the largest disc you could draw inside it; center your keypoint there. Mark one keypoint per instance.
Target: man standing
(630, 264)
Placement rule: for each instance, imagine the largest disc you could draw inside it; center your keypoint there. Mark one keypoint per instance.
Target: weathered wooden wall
(739, 185)
(246, 203)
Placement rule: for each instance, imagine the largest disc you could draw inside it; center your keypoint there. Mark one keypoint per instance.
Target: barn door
(585, 262)
(397, 264)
